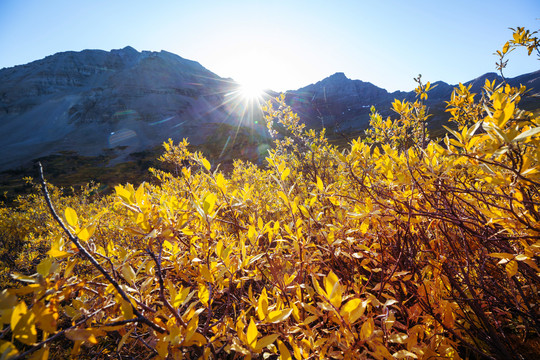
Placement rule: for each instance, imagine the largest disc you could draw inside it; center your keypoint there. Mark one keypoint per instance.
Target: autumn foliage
(397, 247)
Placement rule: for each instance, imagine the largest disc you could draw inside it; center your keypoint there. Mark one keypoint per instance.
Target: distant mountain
(94, 100)
(343, 105)
(125, 101)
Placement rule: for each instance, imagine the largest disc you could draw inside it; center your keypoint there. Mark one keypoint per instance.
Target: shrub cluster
(397, 247)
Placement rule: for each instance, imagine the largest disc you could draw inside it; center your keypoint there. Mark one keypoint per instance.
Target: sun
(250, 90)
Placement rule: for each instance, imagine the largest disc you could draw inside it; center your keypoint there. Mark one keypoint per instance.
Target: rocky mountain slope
(94, 100)
(343, 105)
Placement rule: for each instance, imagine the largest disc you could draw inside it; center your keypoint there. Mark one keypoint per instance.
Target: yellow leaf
(41, 354)
(333, 289)
(86, 233)
(206, 274)
(57, 253)
(123, 339)
(123, 194)
(353, 309)
(330, 282)
(265, 341)
(367, 329)
(204, 294)
(262, 306)
(128, 273)
(22, 324)
(279, 315)
(505, 48)
(399, 338)
(71, 217)
(404, 353)
(220, 181)
(162, 348)
(7, 350)
(320, 184)
(191, 327)
(512, 268)
(501, 255)
(284, 353)
(46, 316)
(365, 226)
(285, 173)
(196, 339)
(205, 163)
(126, 309)
(319, 290)
(283, 197)
(209, 202)
(44, 266)
(251, 334)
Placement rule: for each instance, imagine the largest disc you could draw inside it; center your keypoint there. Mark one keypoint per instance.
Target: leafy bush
(405, 248)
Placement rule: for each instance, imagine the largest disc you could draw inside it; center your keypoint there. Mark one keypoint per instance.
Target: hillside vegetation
(398, 247)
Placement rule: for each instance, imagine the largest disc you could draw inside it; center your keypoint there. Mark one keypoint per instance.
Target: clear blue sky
(283, 44)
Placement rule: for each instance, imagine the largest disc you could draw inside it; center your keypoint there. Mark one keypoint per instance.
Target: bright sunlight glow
(250, 91)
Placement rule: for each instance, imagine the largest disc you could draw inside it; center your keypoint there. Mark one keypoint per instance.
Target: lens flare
(251, 91)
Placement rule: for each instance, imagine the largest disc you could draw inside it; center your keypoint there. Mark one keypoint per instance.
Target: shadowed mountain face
(344, 105)
(124, 101)
(94, 100)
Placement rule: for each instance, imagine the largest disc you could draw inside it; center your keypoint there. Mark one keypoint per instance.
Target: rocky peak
(82, 101)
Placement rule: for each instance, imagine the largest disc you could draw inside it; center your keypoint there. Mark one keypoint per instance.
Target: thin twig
(140, 317)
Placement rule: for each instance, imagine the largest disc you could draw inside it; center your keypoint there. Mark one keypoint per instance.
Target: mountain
(343, 105)
(122, 101)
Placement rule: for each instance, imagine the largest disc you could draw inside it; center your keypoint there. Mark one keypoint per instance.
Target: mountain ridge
(93, 100)
(126, 101)
(344, 104)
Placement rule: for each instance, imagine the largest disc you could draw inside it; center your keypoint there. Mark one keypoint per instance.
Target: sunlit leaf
(251, 334)
(205, 163)
(71, 217)
(279, 315)
(285, 174)
(262, 305)
(284, 353)
(22, 324)
(204, 294)
(7, 350)
(265, 341)
(512, 268)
